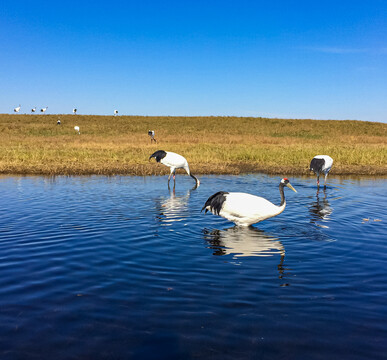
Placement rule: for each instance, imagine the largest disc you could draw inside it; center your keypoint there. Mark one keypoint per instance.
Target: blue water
(123, 268)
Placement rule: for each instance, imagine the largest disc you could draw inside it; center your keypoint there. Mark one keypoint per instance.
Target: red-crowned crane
(43, 110)
(245, 209)
(321, 164)
(173, 161)
(76, 128)
(33, 109)
(17, 109)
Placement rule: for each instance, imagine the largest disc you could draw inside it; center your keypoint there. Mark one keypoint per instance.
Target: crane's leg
(325, 181)
(174, 178)
(318, 180)
(170, 174)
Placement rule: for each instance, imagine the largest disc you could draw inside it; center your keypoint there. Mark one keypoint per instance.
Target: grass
(34, 144)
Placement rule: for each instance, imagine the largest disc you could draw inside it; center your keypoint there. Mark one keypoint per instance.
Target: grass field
(35, 144)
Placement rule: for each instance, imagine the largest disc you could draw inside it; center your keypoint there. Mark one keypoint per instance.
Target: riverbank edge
(203, 169)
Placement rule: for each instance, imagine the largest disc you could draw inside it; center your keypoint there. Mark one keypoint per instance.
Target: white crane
(43, 110)
(76, 128)
(115, 112)
(17, 109)
(33, 109)
(173, 161)
(245, 209)
(151, 133)
(74, 111)
(321, 164)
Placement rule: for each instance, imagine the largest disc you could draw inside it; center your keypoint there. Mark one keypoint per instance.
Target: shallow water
(121, 267)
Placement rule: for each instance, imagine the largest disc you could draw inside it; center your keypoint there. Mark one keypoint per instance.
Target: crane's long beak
(291, 187)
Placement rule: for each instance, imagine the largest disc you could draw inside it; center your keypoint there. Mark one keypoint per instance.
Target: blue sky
(290, 59)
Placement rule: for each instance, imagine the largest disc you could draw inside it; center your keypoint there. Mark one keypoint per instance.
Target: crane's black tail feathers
(158, 155)
(215, 202)
(316, 165)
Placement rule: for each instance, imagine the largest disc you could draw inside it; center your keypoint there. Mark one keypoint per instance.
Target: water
(120, 267)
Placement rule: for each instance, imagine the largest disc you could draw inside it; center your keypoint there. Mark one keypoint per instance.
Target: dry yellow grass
(34, 144)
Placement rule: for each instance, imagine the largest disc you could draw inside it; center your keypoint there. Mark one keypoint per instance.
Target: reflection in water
(173, 208)
(245, 241)
(320, 209)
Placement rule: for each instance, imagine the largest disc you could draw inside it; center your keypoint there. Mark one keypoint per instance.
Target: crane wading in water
(245, 209)
(173, 161)
(321, 164)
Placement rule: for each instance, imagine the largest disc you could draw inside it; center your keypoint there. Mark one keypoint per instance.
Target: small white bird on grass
(173, 161)
(115, 112)
(74, 111)
(245, 209)
(321, 164)
(76, 128)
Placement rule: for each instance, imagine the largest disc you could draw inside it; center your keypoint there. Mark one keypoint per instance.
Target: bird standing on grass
(76, 128)
(115, 112)
(151, 133)
(74, 111)
(245, 209)
(33, 109)
(321, 164)
(173, 161)
(17, 109)
(44, 109)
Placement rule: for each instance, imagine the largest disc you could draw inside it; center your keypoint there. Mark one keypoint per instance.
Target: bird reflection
(173, 207)
(245, 241)
(320, 209)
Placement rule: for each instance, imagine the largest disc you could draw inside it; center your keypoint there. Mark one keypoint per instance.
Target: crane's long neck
(281, 190)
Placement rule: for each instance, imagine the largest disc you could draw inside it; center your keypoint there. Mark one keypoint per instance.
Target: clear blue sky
(292, 59)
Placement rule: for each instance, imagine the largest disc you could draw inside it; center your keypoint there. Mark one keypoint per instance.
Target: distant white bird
(33, 109)
(173, 161)
(17, 109)
(321, 164)
(245, 209)
(58, 122)
(74, 111)
(151, 133)
(115, 112)
(76, 128)
(44, 109)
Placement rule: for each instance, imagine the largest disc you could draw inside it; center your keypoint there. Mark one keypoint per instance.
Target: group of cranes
(241, 208)
(43, 110)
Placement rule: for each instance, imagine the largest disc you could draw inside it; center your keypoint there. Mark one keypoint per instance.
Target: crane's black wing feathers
(215, 202)
(158, 155)
(316, 165)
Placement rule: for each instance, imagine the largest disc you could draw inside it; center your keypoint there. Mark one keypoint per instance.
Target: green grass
(34, 144)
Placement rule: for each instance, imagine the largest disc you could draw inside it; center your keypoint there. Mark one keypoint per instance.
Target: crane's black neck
(281, 190)
(194, 177)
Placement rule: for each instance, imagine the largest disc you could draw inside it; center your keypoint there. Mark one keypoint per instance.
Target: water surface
(122, 267)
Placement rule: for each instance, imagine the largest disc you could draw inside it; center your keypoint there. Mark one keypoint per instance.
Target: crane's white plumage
(43, 110)
(33, 109)
(74, 111)
(321, 164)
(17, 109)
(76, 128)
(173, 161)
(245, 209)
(115, 112)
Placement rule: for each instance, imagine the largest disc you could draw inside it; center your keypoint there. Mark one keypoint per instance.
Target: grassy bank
(34, 144)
